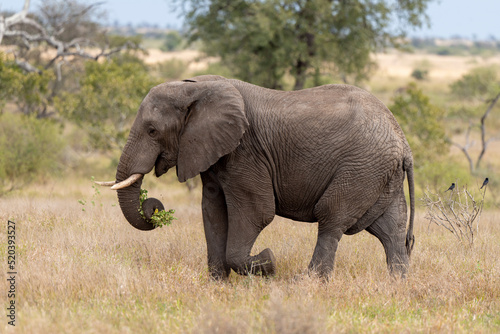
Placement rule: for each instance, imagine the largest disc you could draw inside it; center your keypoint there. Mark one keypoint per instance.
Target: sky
(478, 19)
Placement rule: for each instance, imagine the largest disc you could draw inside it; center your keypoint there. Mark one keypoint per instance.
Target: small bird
(484, 183)
(451, 187)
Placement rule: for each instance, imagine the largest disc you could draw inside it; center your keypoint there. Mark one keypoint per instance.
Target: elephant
(332, 154)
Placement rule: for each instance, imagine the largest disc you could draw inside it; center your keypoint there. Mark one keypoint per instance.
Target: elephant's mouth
(163, 164)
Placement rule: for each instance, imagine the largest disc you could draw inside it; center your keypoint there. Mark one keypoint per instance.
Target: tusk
(124, 184)
(106, 183)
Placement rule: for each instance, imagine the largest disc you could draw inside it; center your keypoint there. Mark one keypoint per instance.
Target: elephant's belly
(296, 208)
(296, 198)
(301, 215)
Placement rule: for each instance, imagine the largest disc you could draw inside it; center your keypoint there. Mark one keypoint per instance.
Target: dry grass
(90, 272)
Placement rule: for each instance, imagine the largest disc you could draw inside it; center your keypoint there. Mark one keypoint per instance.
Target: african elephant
(332, 154)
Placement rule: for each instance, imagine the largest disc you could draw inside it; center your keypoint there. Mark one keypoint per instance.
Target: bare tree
(484, 142)
(55, 33)
(61, 32)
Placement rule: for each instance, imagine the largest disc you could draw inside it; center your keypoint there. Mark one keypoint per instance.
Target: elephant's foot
(219, 272)
(398, 270)
(320, 270)
(263, 264)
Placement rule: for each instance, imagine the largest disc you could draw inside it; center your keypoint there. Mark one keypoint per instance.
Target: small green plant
(420, 74)
(95, 196)
(159, 218)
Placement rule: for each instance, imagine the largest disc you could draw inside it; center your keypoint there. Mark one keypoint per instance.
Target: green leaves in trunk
(159, 218)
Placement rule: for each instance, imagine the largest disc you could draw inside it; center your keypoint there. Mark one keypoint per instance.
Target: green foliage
(422, 123)
(162, 218)
(29, 91)
(480, 83)
(218, 68)
(159, 218)
(29, 148)
(95, 196)
(173, 41)
(439, 174)
(262, 41)
(107, 101)
(420, 74)
(115, 41)
(172, 69)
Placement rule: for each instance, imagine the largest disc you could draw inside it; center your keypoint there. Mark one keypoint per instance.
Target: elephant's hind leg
(390, 229)
(336, 211)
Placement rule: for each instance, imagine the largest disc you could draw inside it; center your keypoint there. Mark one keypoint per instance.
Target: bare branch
(483, 129)
(72, 48)
(465, 148)
(456, 214)
(18, 17)
(27, 66)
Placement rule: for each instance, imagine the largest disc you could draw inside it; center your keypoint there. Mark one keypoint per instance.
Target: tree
(422, 123)
(59, 33)
(261, 41)
(107, 99)
(479, 87)
(173, 40)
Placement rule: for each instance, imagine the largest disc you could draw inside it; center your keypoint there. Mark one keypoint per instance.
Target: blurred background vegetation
(67, 112)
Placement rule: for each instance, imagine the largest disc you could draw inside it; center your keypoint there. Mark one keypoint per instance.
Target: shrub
(420, 74)
(422, 123)
(29, 91)
(172, 69)
(173, 41)
(30, 148)
(106, 103)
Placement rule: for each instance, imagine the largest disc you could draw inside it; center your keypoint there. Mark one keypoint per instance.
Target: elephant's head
(187, 124)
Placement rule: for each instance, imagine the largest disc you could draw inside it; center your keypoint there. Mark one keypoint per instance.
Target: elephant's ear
(214, 124)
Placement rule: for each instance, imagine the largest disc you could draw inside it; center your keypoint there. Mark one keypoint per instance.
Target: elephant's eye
(152, 132)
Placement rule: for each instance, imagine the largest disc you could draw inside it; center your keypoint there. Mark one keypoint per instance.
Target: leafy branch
(159, 218)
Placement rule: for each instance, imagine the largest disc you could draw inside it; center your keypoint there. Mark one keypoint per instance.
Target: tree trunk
(300, 74)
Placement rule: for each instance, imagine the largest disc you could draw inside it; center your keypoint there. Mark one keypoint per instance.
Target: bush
(29, 91)
(30, 148)
(173, 41)
(422, 123)
(420, 74)
(480, 84)
(172, 69)
(108, 99)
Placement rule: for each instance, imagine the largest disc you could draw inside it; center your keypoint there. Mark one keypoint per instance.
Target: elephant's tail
(410, 238)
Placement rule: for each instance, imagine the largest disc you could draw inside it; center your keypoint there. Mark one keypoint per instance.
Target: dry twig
(458, 213)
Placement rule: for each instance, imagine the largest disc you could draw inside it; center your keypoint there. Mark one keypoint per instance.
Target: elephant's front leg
(250, 203)
(215, 224)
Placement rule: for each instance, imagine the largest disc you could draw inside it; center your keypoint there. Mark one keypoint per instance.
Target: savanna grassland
(83, 269)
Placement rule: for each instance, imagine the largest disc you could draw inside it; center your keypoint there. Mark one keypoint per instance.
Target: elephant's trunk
(130, 205)
(129, 199)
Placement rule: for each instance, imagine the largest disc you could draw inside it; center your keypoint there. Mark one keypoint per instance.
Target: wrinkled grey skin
(332, 154)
